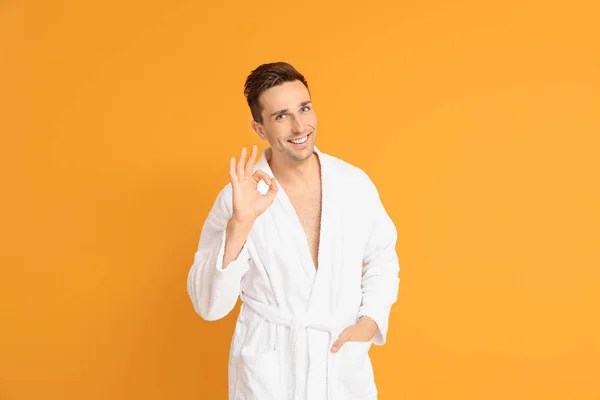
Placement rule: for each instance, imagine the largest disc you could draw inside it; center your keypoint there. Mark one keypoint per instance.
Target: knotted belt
(297, 323)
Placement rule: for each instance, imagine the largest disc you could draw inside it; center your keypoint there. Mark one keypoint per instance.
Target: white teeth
(300, 141)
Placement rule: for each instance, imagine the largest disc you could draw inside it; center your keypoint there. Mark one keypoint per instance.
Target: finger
(273, 187)
(250, 163)
(258, 175)
(232, 174)
(241, 163)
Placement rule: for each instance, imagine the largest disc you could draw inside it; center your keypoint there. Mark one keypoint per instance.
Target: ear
(259, 129)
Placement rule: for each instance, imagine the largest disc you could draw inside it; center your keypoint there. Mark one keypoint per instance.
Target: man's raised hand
(248, 202)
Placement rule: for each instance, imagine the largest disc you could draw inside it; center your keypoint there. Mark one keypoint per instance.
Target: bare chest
(308, 209)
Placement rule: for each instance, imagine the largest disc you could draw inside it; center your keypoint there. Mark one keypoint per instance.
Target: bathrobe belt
(297, 323)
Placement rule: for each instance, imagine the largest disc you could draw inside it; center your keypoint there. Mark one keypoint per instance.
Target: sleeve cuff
(381, 319)
(236, 268)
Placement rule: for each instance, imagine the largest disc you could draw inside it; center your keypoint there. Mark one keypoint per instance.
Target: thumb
(343, 338)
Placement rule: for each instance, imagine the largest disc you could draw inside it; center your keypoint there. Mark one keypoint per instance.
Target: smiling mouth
(301, 140)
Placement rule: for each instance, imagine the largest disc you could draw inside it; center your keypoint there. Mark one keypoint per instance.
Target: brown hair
(264, 77)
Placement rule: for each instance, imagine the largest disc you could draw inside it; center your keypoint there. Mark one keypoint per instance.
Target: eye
(306, 109)
(278, 117)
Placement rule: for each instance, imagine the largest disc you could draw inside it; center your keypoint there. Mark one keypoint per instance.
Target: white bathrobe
(291, 313)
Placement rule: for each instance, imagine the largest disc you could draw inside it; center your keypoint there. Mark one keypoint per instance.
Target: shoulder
(224, 201)
(350, 174)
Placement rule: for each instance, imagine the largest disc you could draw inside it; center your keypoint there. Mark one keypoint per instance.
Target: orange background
(479, 123)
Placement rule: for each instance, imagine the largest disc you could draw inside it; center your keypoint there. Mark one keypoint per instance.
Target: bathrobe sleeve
(380, 282)
(214, 290)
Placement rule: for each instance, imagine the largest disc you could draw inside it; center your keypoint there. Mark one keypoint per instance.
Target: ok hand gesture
(248, 202)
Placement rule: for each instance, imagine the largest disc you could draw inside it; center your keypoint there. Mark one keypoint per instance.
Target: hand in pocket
(363, 331)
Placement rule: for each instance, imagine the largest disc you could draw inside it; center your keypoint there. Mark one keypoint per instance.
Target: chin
(303, 154)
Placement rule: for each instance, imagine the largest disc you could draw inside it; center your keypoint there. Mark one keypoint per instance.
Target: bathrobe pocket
(259, 376)
(355, 371)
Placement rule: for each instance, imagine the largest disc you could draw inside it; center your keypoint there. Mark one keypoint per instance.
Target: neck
(291, 171)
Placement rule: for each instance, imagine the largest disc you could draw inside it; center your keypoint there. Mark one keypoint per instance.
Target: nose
(298, 126)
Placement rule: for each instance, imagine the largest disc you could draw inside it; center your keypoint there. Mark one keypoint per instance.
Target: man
(303, 238)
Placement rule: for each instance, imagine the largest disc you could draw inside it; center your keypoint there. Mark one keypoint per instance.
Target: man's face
(289, 122)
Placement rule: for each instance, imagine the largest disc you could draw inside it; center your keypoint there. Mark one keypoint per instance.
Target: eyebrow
(304, 103)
